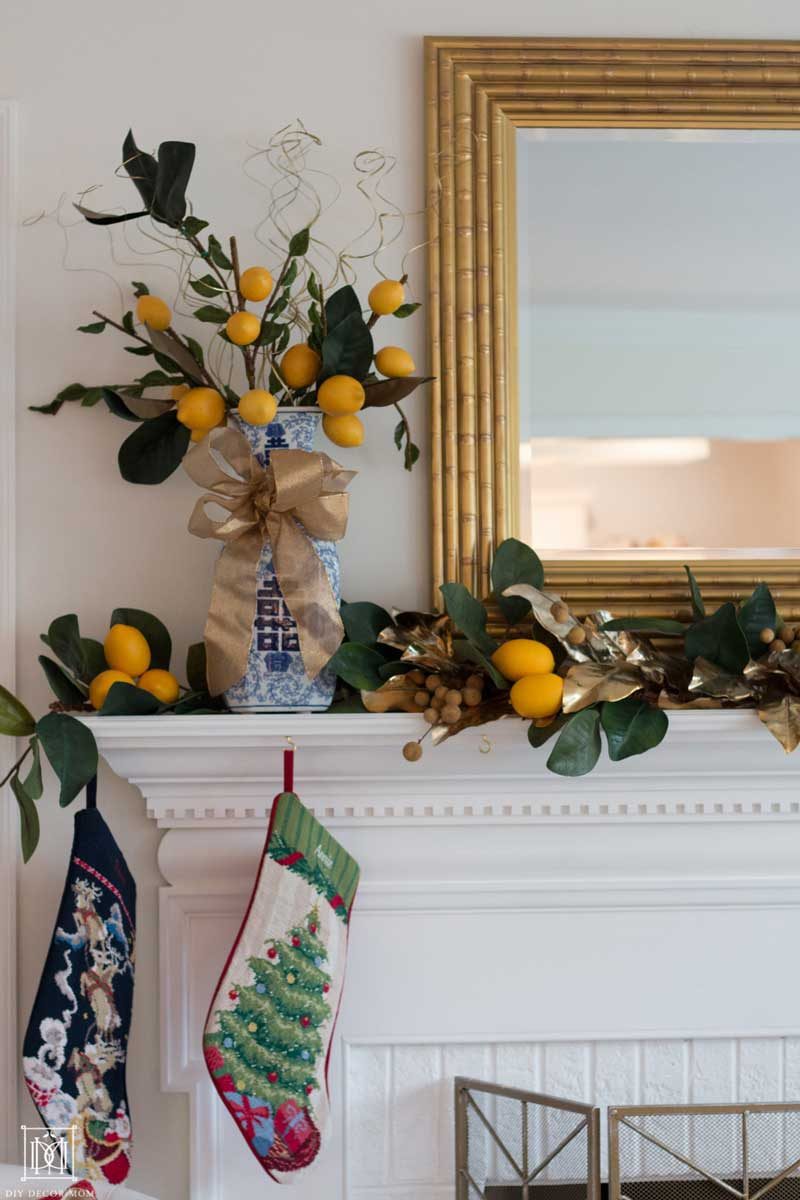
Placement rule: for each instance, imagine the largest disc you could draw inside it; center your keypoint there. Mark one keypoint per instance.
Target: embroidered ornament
(288, 959)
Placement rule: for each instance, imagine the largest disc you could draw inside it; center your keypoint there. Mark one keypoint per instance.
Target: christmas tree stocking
(76, 1043)
(270, 1024)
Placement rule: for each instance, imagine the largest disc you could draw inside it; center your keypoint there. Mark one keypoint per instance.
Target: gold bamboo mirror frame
(480, 91)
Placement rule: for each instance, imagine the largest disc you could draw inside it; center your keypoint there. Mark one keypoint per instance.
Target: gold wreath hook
(291, 742)
(485, 746)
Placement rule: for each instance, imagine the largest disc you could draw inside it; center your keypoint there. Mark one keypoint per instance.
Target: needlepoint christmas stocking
(76, 1044)
(269, 1029)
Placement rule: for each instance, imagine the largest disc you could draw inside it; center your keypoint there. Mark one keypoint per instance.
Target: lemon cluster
(536, 690)
(128, 657)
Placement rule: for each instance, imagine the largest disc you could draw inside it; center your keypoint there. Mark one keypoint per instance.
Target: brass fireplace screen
(514, 1145)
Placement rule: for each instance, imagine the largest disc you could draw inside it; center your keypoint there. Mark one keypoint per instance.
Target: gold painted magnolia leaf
(670, 704)
(587, 683)
(478, 714)
(396, 695)
(711, 681)
(782, 719)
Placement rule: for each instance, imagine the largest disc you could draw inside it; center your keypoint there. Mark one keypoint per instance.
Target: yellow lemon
(161, 684)
(179, 390)
(523, 656)
(154, 312)
(300, 366)
(537, 695)
(394, 362)
(201, 408)
(258, 407)
(101, 685)
(340, 395)
(345, 430)
(255, 283)
(386, 297)
(197, 435)
(243, 328)
(126, 649)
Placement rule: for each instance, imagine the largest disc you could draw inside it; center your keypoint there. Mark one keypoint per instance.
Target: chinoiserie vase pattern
(275, 680)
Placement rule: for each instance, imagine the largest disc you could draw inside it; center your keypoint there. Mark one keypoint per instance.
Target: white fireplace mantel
(624, 937)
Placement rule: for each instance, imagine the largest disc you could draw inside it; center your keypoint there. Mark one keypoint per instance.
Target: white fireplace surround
(626, 937)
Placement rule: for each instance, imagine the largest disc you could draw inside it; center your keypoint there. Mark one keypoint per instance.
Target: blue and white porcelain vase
(275, 679)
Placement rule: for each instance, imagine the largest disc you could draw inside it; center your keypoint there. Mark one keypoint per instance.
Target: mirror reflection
(659, 342)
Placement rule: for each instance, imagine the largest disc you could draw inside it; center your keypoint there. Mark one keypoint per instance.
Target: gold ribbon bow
(300, 495)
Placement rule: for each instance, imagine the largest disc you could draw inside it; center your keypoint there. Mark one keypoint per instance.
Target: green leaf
(290, 276)
(341, 304)
(720, 639)
(15, 720)
(142, 169)
(28, 818)
(139, 289)
(298, 246)
(514, 562)
(347, 349)
(406, 310)
(218, 255)
(660, 625)
(578, 747)
(399, 434)
(95, 657)
(158, 379)
(212, 314)
(191, 226)
(181, 356)
(116, 405)
(155, 633)
(411, 455)
(93, 396)
(64, 688)
(154, 450)
(175, 162)
(313, 288)
(468, 616)
(363, 621)
(756, 613)
(71, 750)
(195, 349)
(396, 666)
(539, 734)
(196, 667)
(632, 726)
(142, 351)
(33, 781)
(698, 607)
(358, 665)
(207, 285)
(64, 639)
(128, 324)
(99, 218)
(127, 700)
(94, 327)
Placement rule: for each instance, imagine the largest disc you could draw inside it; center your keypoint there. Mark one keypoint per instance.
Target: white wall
(222, 76)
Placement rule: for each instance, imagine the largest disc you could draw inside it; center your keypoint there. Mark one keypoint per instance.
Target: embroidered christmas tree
(265, 1054)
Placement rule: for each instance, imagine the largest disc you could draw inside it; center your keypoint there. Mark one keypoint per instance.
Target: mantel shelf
(211, 769)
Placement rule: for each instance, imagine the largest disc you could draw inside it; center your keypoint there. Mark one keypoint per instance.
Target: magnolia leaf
(468, 616)
(116, 405)
(698, 607)
(348, 348)
(384, 392)
(142, 169)
(513, 563)
(127, 700)
(363, 621)
(154, 450)
(720, 639)
(782, 719)
(64, 639)
(631, 727)
(396, 695)
(71, 750)
(33, 781)
(64, 688)
(15, 720)
(144, 408)
(196, 667)
(175, 163)
(177, 353)
(28, 818)
(95, 657)
(756, 613)
(358, 665)
(660, 625)
(578, 747)
(588, 682)
(539, 734)
(98, 218)
(154, 631)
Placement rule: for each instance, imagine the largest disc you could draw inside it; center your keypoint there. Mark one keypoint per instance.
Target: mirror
(658, 322)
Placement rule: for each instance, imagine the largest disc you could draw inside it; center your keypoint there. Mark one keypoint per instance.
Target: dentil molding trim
(712, 766)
